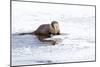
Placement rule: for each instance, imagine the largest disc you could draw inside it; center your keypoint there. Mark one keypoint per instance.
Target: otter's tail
(26, 33)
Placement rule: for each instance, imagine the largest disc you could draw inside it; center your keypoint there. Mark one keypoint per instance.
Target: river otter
(45, 31)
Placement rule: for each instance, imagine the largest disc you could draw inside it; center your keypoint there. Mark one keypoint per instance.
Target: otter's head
(55, 27)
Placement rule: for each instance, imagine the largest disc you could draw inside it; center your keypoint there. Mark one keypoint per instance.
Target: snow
(76, 44)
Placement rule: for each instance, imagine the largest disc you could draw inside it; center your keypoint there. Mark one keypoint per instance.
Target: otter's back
(43, 29)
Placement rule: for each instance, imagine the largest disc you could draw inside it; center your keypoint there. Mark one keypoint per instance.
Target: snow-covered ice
(77, 22)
